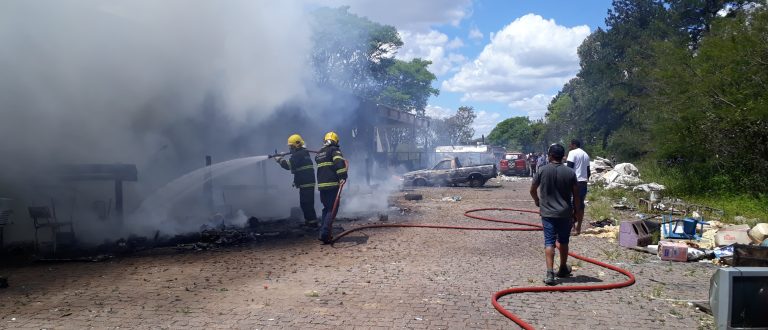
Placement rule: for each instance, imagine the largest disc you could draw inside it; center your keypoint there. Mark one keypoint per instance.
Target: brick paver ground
(377, 279)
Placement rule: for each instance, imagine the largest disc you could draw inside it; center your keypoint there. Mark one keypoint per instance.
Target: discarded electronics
(634, 233)
(738, 297)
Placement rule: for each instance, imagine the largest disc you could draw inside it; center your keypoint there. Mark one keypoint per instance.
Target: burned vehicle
(449, 172)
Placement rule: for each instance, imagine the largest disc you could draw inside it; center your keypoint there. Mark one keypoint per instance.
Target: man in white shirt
(578, 160)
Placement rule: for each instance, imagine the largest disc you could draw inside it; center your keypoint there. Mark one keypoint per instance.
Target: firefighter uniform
(300, 164)
(331, 169)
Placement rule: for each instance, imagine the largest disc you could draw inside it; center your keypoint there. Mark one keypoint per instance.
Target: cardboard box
(727, 237)
(673, 251)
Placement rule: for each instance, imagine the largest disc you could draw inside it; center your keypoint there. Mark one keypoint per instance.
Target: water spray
(283, 154)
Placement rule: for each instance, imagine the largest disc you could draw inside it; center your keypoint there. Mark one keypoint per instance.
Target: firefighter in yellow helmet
(300, 164)
(331, 172)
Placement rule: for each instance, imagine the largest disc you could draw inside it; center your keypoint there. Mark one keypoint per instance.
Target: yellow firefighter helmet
(331, 136)
(295, 141)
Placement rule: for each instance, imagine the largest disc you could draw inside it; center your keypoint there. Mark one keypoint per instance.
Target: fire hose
(336, 204)
(528, 227)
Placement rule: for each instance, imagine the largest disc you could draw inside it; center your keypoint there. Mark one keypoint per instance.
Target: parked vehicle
(449, 172)
(514, 163)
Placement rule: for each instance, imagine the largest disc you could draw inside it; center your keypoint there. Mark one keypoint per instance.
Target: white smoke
(97, 81)
(158, 84)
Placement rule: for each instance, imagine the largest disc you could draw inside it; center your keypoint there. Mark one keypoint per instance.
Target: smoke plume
(158, 84)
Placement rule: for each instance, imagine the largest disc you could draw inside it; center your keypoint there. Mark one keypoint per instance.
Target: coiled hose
(526, 227)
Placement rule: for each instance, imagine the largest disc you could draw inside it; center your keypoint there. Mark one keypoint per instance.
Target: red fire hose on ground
(527, 227)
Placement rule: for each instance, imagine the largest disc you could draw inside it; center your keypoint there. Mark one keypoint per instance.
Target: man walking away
(578, 160)
(532, 162)
(542, 160)
(556, 184)
(331, 172)
(300, 164)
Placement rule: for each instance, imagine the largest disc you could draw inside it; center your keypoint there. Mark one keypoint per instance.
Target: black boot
(565, 271)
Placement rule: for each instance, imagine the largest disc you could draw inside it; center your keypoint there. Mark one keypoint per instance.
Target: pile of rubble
(623, 175)
(504, 178)
(710, 241)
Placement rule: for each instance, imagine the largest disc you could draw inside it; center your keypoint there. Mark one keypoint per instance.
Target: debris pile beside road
(504, 178)
(624, 176)
(689, 238)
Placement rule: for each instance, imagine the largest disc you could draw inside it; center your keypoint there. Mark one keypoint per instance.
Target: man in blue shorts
(556, 184)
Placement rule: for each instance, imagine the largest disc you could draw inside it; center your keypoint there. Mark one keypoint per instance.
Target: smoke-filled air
(160, 85)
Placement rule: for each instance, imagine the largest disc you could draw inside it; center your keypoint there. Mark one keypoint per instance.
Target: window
(512, 157)
(444, 165)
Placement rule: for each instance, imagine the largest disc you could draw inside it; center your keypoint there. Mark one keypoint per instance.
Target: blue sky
(504, 58)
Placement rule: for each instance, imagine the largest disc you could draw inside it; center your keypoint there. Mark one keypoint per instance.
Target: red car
(514, 163)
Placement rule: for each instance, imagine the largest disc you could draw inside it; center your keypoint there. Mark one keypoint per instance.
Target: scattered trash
(504, 178)
(413, 197)
(634, 233)
(732, 235)
(611, 232)
(686, 228)
(627, 169)
(451, 199)
(759, 232)
(622, 205)
(723, 251)
(600, 165)
(649, 187)
(417, 318)
(750, 256)
(312, 293)
(695, 254)
(673, 251)
(603, 223)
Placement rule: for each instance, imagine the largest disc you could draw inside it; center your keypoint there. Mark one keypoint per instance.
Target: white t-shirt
(580, 161)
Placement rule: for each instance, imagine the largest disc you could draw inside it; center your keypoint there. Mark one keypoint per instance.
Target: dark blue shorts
(582, 186)
(556, 229)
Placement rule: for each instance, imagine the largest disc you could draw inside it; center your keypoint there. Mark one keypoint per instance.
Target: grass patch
(708, 192)
(611, 254)
(601, 202)
(599, 210)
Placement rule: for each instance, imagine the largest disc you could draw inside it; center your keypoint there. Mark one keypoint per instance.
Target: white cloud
(432, 46)
(438, 112)
(530, 56)
(535, 106)
(475, 34)
(485, 122)
(455, 43)
(407, 14)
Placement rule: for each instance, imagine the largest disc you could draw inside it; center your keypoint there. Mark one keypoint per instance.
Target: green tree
(351, 52)
(408, 86)
(513, 133)
(712, 104)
